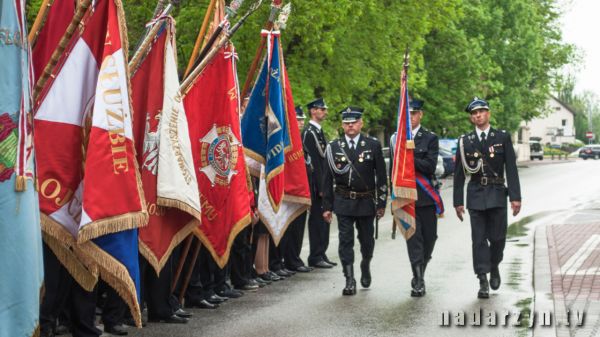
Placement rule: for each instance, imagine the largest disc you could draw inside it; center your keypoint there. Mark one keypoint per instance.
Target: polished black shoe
(117, 330)
(484, 289)
(365, 273)
(202, 304)
(304, 269)
(350, 288)
(216, 299)
(326, 259)
(248, 287)
(495, 278)
(182, 313)
(269, 276)
(253, 282)
(230, 293)
(282, 273)
(417, 282)
(274, 276)
(262, 282)
(173, 319)
(289, 271)
(322, 264)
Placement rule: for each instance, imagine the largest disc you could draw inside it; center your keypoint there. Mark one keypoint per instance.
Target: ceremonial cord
(331, 163)
(466, 167)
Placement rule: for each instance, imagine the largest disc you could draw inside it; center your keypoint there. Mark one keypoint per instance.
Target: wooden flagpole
(141, 52)
(39, 22)
(200, 37)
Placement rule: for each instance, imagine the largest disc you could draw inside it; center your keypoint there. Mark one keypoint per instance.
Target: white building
(555, 126)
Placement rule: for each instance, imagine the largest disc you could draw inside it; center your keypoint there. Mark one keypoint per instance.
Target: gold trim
(167, 202)
(254, 155)
(405, 193)
(36, 330)
(117, 276)
(235, 230)
(298, 200)
(56, 230)
(111, 225)
(86, 278)
(277, 239)
(20, 183)
(157, 264)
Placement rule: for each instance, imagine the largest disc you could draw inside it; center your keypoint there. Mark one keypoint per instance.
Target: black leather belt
(484, 181)
(354, 195)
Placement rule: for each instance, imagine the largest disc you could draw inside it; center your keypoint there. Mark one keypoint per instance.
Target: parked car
(590, 151)
(449, 161)
(449, 144)
(536, 150)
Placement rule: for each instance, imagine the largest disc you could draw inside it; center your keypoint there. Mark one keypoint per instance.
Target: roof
(565, 105)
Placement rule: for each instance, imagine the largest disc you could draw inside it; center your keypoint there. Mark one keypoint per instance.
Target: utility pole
(590, 124)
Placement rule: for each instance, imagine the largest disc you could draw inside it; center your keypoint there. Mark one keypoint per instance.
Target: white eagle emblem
(150, 155)
(219, 155)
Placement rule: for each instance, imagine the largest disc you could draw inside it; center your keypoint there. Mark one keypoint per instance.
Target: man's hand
(516, 207)
(460, 210)
(380, 213)
(327, 215)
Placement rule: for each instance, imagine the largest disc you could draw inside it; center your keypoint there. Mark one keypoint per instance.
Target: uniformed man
(314, 142)
(355, 189)
(485, 153)
(428, 204)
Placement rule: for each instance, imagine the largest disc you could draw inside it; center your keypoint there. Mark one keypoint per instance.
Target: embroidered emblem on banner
(151, 143)
(8, 146)
(219, 155)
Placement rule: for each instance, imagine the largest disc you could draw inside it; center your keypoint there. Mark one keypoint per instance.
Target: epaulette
(373, 138)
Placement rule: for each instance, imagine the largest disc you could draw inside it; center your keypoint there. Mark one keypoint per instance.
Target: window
(564, 122)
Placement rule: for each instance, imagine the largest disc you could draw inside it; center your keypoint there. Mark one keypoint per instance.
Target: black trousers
(241, 258)
(366, 230)
(291, 244)
(488, 235)
(63, 292)
(420, 245)
(114, 308)
(276, 254)
(318, 232)
(156, 289)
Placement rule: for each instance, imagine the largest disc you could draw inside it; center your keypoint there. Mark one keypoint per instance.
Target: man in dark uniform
(314, 142)
(291, 243)
(357, 168)
(421, 243)
(485, 154)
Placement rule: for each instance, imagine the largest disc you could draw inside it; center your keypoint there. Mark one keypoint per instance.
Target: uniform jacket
(368, 160)
(426, 153)
(314, 143)
(498, 157)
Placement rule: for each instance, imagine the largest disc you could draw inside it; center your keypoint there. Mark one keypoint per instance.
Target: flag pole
(203, 28)
(147, 42)
(275, 7)
(187, 83)
(62, 45)
(39, 22)
(184, 254)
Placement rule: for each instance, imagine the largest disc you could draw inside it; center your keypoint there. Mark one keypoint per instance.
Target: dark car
(590, 151)
(449, 161)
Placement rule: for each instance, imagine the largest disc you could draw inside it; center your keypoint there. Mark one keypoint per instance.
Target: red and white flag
(212, 106)
(163, 150)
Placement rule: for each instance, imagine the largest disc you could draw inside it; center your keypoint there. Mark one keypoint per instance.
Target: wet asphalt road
(312, 305)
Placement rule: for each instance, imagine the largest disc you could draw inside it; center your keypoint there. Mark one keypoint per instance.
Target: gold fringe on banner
(112, 225)
(157, 264)
(237, 228)
(166, 202)
(277, 238)
(405, 193)
(117, 276)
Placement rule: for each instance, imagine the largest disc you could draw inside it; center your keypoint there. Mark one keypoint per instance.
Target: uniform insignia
(338, 165)
(362, 143)
(360, 160)
(472, 163)
(419, 134)
(343, 144)
(491, 155)
(476, 154)
(348, 110)
(343, 159)
(219, 155)
(492, 134)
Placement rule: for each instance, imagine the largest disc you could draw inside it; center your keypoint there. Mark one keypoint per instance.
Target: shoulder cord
(467, 168)
(331, 163)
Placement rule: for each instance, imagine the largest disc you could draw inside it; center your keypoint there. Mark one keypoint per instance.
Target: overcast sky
(581, 27)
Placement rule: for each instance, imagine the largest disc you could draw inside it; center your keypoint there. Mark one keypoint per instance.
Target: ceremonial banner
(266, 136)
(296, 197)
(57, 20)
(212, 106)
(21, 262)
(88, 176)
(163, 150)
(404, 188)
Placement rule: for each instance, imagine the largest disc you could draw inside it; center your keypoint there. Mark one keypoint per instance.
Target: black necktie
(352, 144)
(483, 141)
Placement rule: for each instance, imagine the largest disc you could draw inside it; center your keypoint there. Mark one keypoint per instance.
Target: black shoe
(182, 313)
(262, 282)
(282, 273)
(117, 330)
(216, 299)
(322, 264)
(484, 290)
(202, 304)
(326, 259)
(275, 277)
(61, 330)
(173, 319)
(350, 288)
(365, 273)
(495, 278)
(417, 283)
(269, 277)
(304, 269)
(289, 271)
(231, 293)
